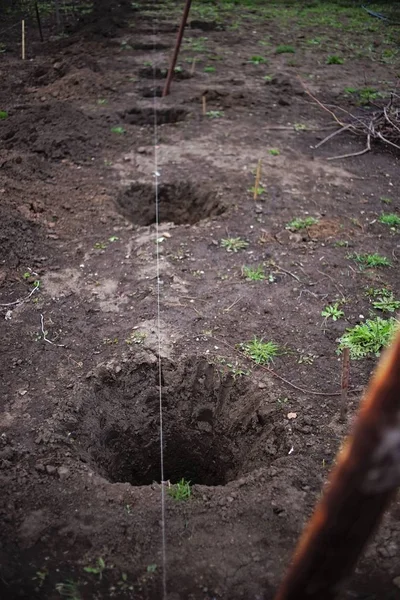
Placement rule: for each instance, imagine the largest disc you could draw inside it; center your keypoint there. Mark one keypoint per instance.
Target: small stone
(63, 472)
(230, 499)
(118, 369)
(51, 469)
(142, 150)
(40, 467)
(262, 385)
(396, 581)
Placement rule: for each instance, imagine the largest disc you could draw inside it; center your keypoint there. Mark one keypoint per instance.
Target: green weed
(257, 60)
(180, 490)
(368, 338)
(333, 59)
(285, 49)
(119, 130)
(215, 114)
(274, 151)
(69, 589)
(259, 351)
(298, 223)
(253, 274)
(390, 219)
(97, 569)
(371, 260)
(209, 69)
(234, 244)
(3, 115)
(332, 311)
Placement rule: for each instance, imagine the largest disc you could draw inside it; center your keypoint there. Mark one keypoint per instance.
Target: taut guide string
(157, 214)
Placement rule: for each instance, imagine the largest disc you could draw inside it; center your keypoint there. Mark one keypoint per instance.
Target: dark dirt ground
(79, 417)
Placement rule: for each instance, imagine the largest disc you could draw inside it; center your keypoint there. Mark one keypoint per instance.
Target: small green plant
(97, 569)
(234, 244)
(40, 577)
(3, 115)
(151, 568)
(257, 60)
(383, 300)
(274, 151)
(366, 339)
(333, 59)
(259, 351)
(385, 200)
(364, 95)
(100, 246)
(285, 49)
(297, 224)
(371, 260)
(342, 244)
(124, 584)
(390, 219)
(137, 337)
(253, 274)
(260, 190)
(215, 114)
(305, 358)
(180, 490)
(102, 101)
(300, 127)
(69, 589)
(209, 69)
(268, 78)
(332, 311)
(118, 130)
(113, 238)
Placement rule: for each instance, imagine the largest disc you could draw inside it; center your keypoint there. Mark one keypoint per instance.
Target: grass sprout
(368, 339)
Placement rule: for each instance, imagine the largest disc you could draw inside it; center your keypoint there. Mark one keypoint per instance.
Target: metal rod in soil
(177, 48)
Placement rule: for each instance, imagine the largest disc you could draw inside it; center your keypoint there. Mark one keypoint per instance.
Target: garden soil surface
(93, 294)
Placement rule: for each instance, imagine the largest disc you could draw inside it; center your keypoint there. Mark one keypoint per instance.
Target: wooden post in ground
(23, 39)
(177, 48)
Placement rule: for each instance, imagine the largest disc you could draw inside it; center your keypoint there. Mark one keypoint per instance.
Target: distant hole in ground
(179, 203)
(145, 116)
(206, 25)
(159, 73)
(150, 92)
(205, 440)
(148, 46)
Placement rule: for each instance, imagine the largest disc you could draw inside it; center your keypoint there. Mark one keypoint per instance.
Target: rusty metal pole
(177, 48)
(38, 21)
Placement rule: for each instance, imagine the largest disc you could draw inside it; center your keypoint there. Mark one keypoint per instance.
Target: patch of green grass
(180, 490)
(118, 130)
(3, 115)
(97, 569)
(259, 192)
(298, 223)
(367, 339)
(390, 219)
(300, 127)
(209, 69)
(364, 95)
(234, 244)
(371, 260)
(257, 60)
(274, 151)
(215, 114)
(333, 59)
(285, 49)
(332, 311)
(69, 589)
(259, 351)
(253, 274)
(196, 44)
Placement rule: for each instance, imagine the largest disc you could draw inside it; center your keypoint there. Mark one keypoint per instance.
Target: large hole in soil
(158, 73)
(145, 116)
(216, 428)
(179, 203)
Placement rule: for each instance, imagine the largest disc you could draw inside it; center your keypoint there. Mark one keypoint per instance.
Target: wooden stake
(177, 48)
(258, 179)
(345, 384)
(204, 101)
(361, 487)
(193, 66)
(39, 21)
(23, 40)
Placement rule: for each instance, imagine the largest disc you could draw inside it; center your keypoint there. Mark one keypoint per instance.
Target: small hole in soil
(148, 46)
(145, 116)
(151, 92)
(158, 73)
(179, 203)
(206, 25)
(206, 440)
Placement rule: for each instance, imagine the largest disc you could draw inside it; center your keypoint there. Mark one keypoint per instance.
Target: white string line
(156, 176)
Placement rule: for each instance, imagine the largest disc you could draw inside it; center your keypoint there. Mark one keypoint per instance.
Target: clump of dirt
(55, 131)
(23, 167)
(21, 240)
(206, 25)
(76, 84)
(160, 73)
(146, 116)
(179, 203)
(210, 435)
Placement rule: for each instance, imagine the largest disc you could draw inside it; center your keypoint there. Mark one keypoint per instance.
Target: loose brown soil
(79, 413)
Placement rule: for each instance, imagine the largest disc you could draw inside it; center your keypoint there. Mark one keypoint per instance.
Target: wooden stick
(204, 102)
(23, 39)
(193, 65)
(344, 384)
(177, 48)
(363, 483)
(38, 21)
(258, 179)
